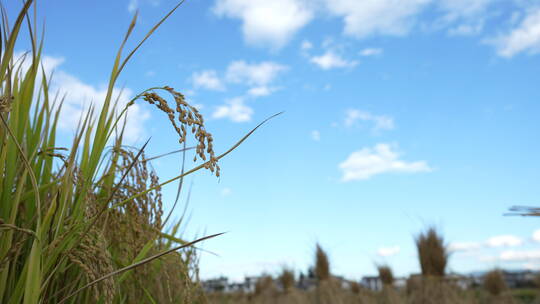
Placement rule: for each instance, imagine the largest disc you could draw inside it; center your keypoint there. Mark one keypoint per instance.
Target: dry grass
(494, 282)
(424, 289)
(265, 286)
(322, 264)
(327, 293)
(355, 287)
(432, 285)
(498, 292)
(286, 279)
(429, 288)
(386, 275)
(432, 253)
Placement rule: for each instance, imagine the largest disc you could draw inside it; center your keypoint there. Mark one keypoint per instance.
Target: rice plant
(85, 224)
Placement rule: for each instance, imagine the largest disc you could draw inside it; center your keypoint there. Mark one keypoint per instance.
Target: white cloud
(371, 17)
(49, 63)
(259, 74)
(497, 241)
(536, 235)
(226, 192)
(190, 93)
(330, 43)
(331, 60)
(371, 52)
(267, 23)
(133, 5)
(464, 246)
(519, 255)
(532, 266)
(504, 241)
(455, 9)
(367, 162)
(306, 45)
(524, 38)
(261, 91)
(487, 258)
(466, 29)
(207, 79)
(315, 135)
(388, 251)
(381, 122)
(462, 17)
(80, 95)
(234, 110)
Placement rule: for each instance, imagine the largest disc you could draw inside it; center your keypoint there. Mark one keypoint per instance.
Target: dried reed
(322, 264)
(286, 279)
(494, 282)
(432, 253)
(265, 286)
(386, 275)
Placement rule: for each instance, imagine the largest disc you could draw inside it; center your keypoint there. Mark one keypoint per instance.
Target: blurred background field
(433, 285)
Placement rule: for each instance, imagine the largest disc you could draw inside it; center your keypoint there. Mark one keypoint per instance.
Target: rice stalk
(84, 224)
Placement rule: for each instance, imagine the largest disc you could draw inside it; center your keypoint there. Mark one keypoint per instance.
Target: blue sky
(399, 114)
